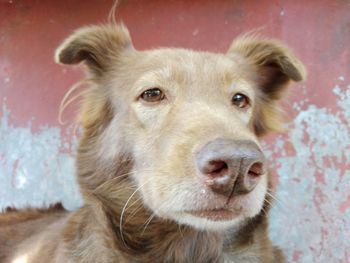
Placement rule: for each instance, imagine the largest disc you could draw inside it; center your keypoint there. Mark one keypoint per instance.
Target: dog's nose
(231, 166)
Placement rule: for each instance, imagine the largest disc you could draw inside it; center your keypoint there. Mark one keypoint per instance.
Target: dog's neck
(143, 237)
(139, 236)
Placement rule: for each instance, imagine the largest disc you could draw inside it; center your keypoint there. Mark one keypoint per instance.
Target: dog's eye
(153, 95)
(240, 100)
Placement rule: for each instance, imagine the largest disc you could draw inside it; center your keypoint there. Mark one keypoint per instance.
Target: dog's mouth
(221, 214)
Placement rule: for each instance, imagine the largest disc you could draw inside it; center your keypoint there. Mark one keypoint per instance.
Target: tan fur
(135, 160)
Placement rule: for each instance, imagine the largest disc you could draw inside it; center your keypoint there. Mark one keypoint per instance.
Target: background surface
(310, 220)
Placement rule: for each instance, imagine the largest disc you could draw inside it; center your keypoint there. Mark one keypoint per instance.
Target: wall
(311, 217)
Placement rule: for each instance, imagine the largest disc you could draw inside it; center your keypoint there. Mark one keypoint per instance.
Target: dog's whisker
(134, 212)
(66, 101)
(179, 227)
(270, 204)
(267, 201)
(279, 201)
(124, 209)
(137, 208)
(122, 213)
(150, 218)
(115, 178)
(147, 222)
(264, 211)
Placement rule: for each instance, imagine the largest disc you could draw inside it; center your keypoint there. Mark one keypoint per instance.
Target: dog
(169, 163)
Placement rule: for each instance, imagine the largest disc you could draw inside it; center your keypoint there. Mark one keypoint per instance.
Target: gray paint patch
(33, 170)
(311, 220)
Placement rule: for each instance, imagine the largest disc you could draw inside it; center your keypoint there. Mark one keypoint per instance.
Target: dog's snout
(230, 166)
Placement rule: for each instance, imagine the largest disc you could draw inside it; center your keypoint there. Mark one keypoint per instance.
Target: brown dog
(169, 164)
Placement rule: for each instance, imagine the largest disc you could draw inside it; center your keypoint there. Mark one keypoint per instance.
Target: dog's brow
(164, 72)
(156, 77)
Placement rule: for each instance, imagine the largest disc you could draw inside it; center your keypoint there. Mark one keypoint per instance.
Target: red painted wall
(31, 30)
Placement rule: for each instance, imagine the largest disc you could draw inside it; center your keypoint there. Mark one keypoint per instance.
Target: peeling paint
(33, 169)
(311, 216)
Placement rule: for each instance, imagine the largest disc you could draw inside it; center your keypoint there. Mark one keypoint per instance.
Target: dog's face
(183, 109)
(190, 121)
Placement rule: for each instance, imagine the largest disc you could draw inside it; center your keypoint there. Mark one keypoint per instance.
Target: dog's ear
(97, 46)
(275, 67)
(276, 64)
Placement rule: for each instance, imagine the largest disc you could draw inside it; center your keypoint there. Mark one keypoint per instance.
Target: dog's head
(187, 124)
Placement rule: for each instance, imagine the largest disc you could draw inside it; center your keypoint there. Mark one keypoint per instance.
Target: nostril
(216, 168)
(256, 169)
(251, 178)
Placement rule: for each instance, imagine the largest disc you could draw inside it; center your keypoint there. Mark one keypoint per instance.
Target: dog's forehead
(193, 64)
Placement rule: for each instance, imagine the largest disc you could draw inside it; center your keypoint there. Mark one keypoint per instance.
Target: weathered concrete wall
(311, 217)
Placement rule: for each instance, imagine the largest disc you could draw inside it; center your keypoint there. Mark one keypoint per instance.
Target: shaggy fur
(135, 159)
